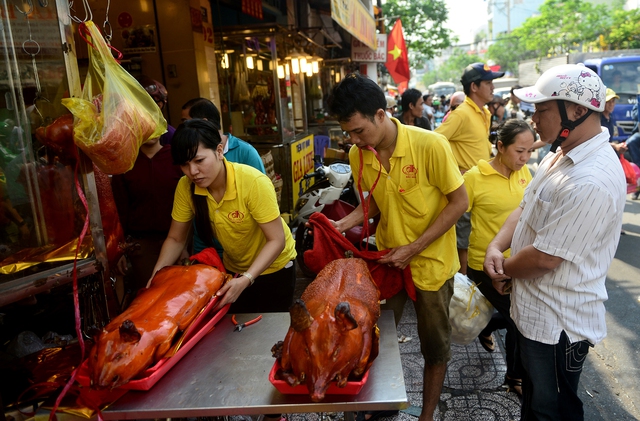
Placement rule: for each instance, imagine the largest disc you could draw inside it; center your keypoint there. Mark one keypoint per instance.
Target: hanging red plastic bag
(115, 114)
(629, 172)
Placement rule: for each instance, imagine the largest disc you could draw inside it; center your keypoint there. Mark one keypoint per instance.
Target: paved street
(472, 390)
(610, 387)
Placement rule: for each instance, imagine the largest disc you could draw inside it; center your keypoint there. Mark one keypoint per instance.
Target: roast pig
(333, 332)
(145, 332)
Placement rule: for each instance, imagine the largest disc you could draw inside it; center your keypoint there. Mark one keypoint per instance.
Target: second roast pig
(333, 332)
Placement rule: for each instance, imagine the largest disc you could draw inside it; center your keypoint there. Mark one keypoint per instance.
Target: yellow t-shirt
(411, 196)
(492, 198)
(468, 131)
(249, 200)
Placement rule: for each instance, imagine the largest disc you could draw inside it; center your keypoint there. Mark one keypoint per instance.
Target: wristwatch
(249, 277)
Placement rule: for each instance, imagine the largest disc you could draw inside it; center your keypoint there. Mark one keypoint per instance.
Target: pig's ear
(128, 332)
(300, 317)
(343, 316)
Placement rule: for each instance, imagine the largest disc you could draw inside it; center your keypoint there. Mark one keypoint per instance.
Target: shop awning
(353, 17)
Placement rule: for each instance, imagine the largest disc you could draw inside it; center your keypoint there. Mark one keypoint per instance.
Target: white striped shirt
(571, 210)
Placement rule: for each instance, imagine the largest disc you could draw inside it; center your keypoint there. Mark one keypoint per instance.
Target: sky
(466, 17)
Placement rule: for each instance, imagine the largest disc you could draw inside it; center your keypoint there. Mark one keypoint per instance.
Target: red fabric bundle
(209, 256)
(329, 245)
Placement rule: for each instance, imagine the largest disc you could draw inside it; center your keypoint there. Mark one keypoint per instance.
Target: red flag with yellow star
(397, 58)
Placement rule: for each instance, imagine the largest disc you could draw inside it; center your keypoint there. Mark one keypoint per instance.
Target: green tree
(625, 30)
(451, 70)
(563, 26)
(422, 22)
(507, 51)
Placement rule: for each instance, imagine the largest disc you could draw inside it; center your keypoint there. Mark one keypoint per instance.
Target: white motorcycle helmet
(568, 82)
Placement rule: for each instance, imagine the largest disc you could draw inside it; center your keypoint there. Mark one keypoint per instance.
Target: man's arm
(401, 256)
(530, 263)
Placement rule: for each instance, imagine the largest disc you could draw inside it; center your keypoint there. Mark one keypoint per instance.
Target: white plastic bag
(469, 311)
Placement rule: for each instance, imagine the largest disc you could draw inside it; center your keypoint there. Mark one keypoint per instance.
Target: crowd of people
(456, 195)
(538, 247)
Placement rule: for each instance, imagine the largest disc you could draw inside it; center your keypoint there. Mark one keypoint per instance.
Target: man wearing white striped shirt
(563, 238)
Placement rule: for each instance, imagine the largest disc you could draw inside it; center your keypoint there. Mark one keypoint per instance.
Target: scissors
(239, 326)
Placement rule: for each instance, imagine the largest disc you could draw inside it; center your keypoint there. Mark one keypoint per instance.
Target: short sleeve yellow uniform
(249, 200)
(492, 198)
(468, 131)
(411, 196)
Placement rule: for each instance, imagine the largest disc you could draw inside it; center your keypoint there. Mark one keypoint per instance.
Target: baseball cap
(478, 71)
(610, 94)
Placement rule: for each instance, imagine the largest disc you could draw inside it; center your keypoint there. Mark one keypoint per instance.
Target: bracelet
(249, 277)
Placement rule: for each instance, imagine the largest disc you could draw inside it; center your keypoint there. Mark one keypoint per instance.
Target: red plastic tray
(202, 325)
(352, 387)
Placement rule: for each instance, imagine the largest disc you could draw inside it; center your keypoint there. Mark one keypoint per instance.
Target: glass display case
(42, 212)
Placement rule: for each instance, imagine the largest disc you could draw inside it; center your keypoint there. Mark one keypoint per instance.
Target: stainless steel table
(227, 373)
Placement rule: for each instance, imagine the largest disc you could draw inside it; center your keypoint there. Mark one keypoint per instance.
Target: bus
(442, 88)
(622, 74)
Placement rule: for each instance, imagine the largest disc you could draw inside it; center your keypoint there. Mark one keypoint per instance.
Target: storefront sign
(363, 54)
(196, 19)
(301, 163)
(352, 16)
(252, 8)
(207, 32)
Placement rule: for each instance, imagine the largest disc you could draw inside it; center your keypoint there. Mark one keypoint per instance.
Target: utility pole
(508, 5)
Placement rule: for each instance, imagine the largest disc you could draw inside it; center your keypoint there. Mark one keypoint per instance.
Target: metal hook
(28, 11)
(108, 34)
(35, 105)
(88, 14)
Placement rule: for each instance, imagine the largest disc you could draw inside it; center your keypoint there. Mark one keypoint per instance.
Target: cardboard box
(335, 155)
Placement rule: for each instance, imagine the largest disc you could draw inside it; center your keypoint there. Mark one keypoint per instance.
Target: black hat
(478, 71)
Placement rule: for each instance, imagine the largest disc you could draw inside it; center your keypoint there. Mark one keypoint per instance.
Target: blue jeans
(550, 381)
(633, 143)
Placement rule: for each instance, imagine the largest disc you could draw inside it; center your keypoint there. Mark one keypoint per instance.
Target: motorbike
(333, 194)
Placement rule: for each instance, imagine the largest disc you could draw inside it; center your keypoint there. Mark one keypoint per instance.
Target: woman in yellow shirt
(237, 205)
(495, 189)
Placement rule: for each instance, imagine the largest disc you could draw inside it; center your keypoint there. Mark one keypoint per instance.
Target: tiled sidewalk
(472, 389)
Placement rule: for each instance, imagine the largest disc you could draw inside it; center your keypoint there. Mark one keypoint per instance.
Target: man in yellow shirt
(419, 195)
(468, 132)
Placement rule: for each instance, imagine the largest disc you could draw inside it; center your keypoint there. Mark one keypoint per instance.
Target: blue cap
(478, 71)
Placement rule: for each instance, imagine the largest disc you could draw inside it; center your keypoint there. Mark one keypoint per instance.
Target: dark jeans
(550, 381)
(633, 144)
(500, 320)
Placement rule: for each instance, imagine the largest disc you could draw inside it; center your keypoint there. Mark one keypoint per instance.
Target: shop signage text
(301, 163)
(356, 19)
(363, 54)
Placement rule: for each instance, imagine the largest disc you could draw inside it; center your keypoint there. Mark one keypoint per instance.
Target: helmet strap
(567, 125)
